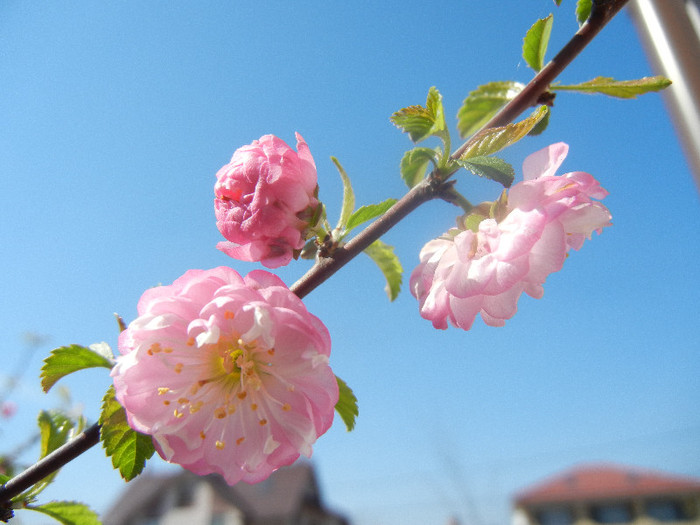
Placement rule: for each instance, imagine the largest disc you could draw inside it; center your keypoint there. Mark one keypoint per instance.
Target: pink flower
(8, 409)
(227, 374)
(467, 272)
(265, 199)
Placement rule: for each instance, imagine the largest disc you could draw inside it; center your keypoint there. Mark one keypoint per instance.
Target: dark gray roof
(281, 496)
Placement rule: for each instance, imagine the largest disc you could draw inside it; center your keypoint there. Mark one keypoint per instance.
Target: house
(290, 496)
(592, 494)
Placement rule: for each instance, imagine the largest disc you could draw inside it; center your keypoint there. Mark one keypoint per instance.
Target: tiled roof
(597, 482)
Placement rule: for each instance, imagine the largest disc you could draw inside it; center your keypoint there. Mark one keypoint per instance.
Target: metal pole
(670, 34)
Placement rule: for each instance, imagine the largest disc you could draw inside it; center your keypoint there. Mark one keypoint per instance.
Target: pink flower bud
(484, 272)
(227, 374)
(265, 198)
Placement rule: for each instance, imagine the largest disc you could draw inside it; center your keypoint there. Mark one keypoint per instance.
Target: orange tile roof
(596, 482)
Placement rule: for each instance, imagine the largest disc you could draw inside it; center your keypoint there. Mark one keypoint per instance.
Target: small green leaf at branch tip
(483, 103)
(347, 404)
(422, 122)
(367, 213)
(492, 168)
(489, 141)
(383, 255)
(348, 196)
(558, 2)
(583, 11)
(128, 449)
(68, 359)
(414, 164)
(68, 512)
(536, 41)
(617, 88)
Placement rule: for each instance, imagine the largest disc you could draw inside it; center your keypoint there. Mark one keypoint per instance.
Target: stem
(327, 266)
(601, 13)
(51, 463)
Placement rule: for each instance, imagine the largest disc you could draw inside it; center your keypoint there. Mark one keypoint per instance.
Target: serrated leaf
(128, 449)
(583, 11)
(617, 88)
(68, 359)
(68, 512)
(414, 163)
(489, 141)
(383, 255)
(491, 168)
(369, 212)
(347, 404)
(422, 122)
(536, 41)
(483, 103)
(348, 196)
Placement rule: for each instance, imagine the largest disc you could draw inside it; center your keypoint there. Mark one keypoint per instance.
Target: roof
(280, 496)
(598, 482)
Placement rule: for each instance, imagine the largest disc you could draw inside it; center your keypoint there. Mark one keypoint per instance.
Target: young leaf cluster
(350, 218)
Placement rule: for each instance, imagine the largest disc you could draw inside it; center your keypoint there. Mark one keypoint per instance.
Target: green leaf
(384, 257)
(68, 512)
(491, 168)
(558, 2)
(617, 88)
(483, 103)
(414, 163)
(541, 125)
(55, 430)
(128, 449)
(583, 11)
(491, 140)
(347, 404)
(422, 122)
(68, 359)
(369, 212)
(536, 41)
(348, 196)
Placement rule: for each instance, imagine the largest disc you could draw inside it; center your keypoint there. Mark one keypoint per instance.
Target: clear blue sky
(114, 118)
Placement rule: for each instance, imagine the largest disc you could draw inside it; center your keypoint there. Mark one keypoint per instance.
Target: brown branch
(50, 464)
(601, 13)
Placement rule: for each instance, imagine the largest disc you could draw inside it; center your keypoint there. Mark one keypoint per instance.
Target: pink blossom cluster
(265, 200)
(485, 271)
(227, 374)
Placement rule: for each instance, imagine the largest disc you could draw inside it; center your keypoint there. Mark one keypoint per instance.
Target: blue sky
(114, 118)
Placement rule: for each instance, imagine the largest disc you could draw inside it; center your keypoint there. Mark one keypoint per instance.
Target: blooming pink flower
(227, 374)
(467, 272)
(265, 199)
